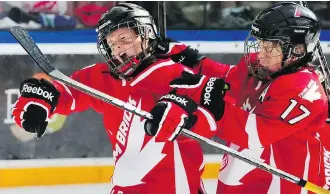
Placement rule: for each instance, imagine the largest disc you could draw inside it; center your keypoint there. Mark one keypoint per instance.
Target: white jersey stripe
(181, 180)
(252, 131)
(150, 70)
(306, 169)
(210, 119)
(275, 185)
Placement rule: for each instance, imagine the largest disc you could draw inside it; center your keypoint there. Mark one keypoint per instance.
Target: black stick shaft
(162, 19)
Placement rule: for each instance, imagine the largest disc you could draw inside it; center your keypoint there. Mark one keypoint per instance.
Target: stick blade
(26, 41)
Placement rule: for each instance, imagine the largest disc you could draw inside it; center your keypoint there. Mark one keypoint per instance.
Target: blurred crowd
(52, 14)
(181, 15)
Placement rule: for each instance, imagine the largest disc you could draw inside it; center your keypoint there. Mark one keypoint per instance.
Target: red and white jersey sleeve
(72, 100)
(230, 73)
(213, 68)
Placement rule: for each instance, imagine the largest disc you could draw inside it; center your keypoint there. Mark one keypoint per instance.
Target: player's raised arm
(191, 57)
(36, 104)
(72, 100)
(41, 98)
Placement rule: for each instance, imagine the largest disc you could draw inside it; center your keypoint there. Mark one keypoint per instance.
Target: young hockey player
(275, 109)
(131, 73)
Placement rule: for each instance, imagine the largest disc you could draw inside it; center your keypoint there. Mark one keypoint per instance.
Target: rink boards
(225, 45)
(84, 41)
(14, 173)
(209, 47)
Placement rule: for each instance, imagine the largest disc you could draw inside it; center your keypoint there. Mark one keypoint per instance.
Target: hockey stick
(323, 61)
(162, 19)
(24, 39)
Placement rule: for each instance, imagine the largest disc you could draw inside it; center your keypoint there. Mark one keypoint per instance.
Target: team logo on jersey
(311, 92)
(131, 148)
(123, 130)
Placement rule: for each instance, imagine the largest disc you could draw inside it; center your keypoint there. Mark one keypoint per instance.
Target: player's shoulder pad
(164, 61)
(161, 65)
(89, 71)
(174, 65)
(296, 80)
(95, 67)
(297, 83)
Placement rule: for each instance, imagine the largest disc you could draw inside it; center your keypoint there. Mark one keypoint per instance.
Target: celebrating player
(275, 108)
(131, 73)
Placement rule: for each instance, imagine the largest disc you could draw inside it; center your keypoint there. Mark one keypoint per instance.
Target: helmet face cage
(284, 50)
(124, 65)
(288, 26)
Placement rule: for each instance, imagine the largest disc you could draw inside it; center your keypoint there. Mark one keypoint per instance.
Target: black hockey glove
(178, 52)
(33, 108)
(207, 91)
(171, 114)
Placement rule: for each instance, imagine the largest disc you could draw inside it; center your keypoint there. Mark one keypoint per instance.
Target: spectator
(38, 14)
(88, 13)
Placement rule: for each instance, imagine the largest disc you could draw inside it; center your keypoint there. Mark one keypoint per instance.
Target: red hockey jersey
(141, 164)
(277, 122)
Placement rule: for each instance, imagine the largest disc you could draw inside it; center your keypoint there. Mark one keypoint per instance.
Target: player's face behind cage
(269, 56)
(288, 26)
(272, 55)
(124, 46)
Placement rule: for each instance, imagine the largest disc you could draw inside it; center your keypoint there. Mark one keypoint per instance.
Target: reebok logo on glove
(208, 89)
(161, 47)
(37, 90)
(178, 99)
